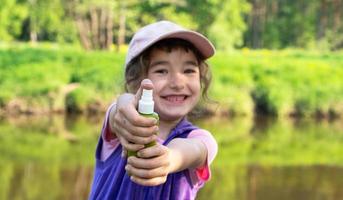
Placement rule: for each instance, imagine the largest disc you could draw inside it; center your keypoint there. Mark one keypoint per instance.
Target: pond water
(52, 157)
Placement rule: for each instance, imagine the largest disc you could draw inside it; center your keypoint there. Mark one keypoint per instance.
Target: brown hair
(138, 68)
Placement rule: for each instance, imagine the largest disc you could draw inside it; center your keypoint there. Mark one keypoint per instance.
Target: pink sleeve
(203, 173)
(110, 142)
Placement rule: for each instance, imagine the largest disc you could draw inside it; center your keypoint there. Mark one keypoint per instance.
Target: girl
(170, 60)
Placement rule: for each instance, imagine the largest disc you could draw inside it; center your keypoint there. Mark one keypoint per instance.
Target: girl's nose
(176, 81)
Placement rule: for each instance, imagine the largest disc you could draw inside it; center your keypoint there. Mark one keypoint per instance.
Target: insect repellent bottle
(146, 109)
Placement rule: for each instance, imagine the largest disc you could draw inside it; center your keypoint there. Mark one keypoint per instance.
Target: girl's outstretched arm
(187, 153)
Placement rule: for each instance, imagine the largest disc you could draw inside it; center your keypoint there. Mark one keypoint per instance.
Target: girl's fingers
(152, 163)
(127, 134)
(130, 113)
(146, 173)
(154, 151)
(132, 133)
(137, 120)
(130, 146)
(149, 182)
(141, 140)
(141, 131)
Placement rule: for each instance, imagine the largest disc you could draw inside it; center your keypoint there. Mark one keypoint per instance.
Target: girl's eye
(189, 71)
(161, 71)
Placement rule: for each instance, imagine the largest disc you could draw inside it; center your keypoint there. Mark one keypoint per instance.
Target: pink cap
(152, 33)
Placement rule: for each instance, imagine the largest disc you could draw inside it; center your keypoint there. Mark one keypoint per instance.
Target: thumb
(145, 84)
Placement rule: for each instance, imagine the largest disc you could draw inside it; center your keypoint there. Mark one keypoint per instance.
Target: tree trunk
(323, 20)
(94, 27)
(102, 28)
(274, 8)
(109, 29)
(33, 22)
(33, 36)
(122, 21)
(256, 24)
(83, 33)
(337, 4)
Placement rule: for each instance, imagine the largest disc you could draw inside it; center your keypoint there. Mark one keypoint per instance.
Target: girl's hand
(132, 129)
(151, 167)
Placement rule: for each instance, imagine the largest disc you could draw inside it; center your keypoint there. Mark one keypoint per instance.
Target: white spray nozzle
(146, 103)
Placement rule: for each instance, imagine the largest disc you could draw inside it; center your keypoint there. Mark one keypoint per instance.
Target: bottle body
(152, 115)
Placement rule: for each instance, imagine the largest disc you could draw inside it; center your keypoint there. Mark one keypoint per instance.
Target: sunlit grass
(279, 83)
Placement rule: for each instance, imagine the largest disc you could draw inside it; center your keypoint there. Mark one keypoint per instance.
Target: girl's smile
(176, 80)
(176, 99)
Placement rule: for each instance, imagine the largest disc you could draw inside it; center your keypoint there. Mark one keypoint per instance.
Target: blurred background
(277, 78)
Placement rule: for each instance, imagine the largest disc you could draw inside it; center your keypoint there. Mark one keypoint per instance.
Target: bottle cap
(146, 103)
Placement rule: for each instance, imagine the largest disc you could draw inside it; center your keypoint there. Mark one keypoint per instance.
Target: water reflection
(275, 182)
(53, 158)
(36, 181)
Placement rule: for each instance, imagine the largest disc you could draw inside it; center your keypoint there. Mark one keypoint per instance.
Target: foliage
(65, 21)
(44, 78)
(227, 29)
(278, 83)
(12, 15)
(291, 23)
(229, 24)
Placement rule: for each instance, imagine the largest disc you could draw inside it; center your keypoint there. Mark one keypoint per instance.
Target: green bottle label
(152, 115)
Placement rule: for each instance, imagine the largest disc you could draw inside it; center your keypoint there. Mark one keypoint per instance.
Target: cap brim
(200, 42)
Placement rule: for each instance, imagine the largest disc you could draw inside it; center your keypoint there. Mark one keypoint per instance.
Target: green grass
(39, 78)
(280, 82)
(51, 77)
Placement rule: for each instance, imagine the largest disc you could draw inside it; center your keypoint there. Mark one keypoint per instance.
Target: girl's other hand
(132, 129)
(151, 167)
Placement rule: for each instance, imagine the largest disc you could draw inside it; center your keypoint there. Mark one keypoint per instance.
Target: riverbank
(49, 78)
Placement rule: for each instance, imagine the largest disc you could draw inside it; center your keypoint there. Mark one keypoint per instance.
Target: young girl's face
(176, 80)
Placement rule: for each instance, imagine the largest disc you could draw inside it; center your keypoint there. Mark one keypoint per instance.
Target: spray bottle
(146, 109)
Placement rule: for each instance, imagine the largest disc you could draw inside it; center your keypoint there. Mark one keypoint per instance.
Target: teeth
(175, 98)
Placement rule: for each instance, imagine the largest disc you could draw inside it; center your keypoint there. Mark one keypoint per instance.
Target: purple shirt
(112, 182)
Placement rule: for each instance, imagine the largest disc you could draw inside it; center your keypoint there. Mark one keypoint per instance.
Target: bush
(244, 82)
(80, 99)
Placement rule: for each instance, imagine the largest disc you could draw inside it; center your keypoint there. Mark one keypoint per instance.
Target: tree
(94, 21)
(45, 19)
(228, 27)
(222, 21)
(12, 15)
(292, 23)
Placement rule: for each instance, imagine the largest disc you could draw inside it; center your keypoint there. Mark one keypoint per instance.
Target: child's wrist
(174, 165)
